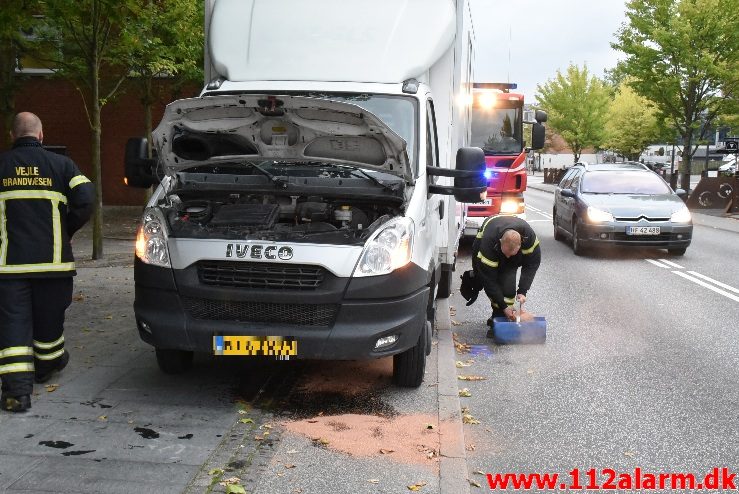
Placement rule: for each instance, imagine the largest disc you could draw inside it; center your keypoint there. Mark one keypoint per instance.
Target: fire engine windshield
(497, 130)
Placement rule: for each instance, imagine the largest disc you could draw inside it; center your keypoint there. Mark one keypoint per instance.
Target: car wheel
(174, 361)
(577, 246)
(557, 234)
(677, 252)
(409, 366)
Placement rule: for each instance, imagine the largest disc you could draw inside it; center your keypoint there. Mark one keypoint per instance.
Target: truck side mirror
(469, 176)
(138, 167)
(541, 116)
(537, 135)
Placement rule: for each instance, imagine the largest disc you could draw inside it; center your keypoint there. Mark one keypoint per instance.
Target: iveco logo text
(259, 252)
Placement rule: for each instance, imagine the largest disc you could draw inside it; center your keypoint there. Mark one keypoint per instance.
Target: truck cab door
(436, 205)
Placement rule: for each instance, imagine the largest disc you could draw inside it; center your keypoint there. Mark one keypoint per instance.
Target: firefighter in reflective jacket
(44, 199)
(503, 244)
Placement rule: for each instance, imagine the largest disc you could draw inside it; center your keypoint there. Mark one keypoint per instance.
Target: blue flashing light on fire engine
(488, 174)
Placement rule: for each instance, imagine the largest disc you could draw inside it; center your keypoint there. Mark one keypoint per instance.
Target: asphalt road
(640, 367)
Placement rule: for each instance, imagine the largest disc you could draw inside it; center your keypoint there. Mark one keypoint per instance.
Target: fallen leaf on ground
(465, 393)
(290, 465)
(246, 421)
(103, 417)
(479, 472)
(78, 298)
(230, 481)
(629, 453)
(472, 482)
(471, 378)
(465, 410)
(459, 364)
(429, 426)
(242, 412)
(235, 489)
(50, 388)
(215, 471)
(258, 438)
(373, 481)
(312, 421)
(469, 419)
(417, 486)
(108, 317)
(456, 323)
(386, 451)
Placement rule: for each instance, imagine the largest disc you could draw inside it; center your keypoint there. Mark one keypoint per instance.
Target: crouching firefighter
(504, 244)
(44, 199)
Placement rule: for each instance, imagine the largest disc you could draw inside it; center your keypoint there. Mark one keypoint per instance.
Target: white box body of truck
(298, 213)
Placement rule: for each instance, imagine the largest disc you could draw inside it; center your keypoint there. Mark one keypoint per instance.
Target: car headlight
(596, 215)
(387, 249)
(151, 239)
(681, 216)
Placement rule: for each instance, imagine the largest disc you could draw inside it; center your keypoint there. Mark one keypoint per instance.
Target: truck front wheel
(174, 361)
(409, 366)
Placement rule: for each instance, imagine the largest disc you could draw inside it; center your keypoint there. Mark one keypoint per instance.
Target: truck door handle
(441, 210)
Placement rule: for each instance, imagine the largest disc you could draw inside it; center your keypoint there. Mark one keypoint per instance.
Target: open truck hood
(254, 127)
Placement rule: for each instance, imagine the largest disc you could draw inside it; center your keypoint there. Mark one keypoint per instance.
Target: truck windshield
(497, 130)
(397, 112)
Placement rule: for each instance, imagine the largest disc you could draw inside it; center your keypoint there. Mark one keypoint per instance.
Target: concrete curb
(452, 456)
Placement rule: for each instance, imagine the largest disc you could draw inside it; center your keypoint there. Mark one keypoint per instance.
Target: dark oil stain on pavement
(77, 453)
(274, 390)
(56, 444)
(306, 404)
(146, 433)
(186, 436)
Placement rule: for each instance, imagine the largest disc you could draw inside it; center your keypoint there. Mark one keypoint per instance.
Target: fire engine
(497, 118)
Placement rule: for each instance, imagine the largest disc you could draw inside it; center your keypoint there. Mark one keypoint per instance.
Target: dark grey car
(620, 204)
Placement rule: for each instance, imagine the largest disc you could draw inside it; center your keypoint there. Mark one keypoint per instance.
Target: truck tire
(173, 361)
(409, 366)
(445, 284)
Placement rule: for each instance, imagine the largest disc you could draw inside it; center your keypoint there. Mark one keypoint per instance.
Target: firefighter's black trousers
(31, 327)
(505, 278)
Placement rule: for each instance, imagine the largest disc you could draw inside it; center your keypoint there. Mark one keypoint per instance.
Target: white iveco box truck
(305, 205)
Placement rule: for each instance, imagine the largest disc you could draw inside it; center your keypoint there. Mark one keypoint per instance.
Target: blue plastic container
(509, 332)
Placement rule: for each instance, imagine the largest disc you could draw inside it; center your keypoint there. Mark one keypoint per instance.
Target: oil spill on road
(146, 433)
(186, 436)
(305, 404)
(56, 444)
(77, 453)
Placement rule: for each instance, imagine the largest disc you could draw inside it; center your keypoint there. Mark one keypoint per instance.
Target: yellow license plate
(269, 346)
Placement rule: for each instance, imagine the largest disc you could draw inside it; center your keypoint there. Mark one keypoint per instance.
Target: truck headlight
(681, 216)
(387, 249)
(595, 215)
(151, 239)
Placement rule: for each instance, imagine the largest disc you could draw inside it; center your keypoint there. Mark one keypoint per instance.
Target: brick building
(61, 109)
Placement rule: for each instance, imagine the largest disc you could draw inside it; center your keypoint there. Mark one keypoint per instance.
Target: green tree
(684, 56)
(631, 123)
(576, 103)
(90, 53)
(15, 18)
(166, 41)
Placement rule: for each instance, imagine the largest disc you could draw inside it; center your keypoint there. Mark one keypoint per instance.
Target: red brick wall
(60, 107)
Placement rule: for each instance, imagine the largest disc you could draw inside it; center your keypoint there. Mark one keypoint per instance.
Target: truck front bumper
(342, 322)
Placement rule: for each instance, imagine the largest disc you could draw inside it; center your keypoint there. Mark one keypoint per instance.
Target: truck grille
(260, 275)
(297, 314)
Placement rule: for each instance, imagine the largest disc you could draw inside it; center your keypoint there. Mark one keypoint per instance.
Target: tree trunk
(687, 160)
(97, 218)
(7, 90)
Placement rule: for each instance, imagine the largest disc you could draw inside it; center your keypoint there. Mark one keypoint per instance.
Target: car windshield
(623, 183)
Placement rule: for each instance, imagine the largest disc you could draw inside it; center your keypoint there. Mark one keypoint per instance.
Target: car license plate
(269, 346)
(642, 230)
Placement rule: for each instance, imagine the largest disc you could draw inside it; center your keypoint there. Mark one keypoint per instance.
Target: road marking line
(670, 263)
(540, 211)
(706, 285)
(657, 263)
(715, 282)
